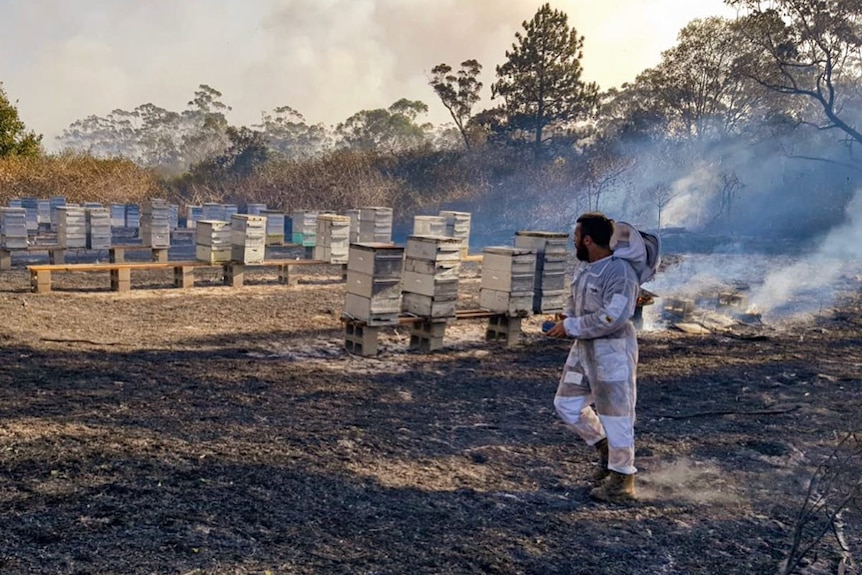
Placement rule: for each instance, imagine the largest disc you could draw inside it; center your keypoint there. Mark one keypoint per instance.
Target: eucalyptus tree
(459, 92)
(391, 129)
(809, 49)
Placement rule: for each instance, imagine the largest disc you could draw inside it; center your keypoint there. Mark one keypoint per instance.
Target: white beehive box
(156, 223)
(274, 226)
(373, 311)
(248, 238)
(375, 224)
(212, 241)
(458, 226)
(429, 226)
(132, 216)
(98, 228)
(118, 215)
(380, 260)
(428, 306)
(333, 238)
(551, 255)
(71, 227)
(373, 290)
(214, 212)
(13, 228)
(433, 248)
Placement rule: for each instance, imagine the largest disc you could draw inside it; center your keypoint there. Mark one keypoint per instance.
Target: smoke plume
(327, 59)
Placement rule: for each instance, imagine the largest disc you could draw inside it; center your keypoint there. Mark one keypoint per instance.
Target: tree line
(746, 125)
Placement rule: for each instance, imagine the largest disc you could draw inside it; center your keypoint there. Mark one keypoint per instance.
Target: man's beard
(582, 253)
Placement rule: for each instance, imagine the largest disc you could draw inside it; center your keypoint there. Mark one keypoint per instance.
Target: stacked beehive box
(375, 225)
(550, 282)
(98, 228)
(430, 284)
(118, 215)
(333, 238)
(354, 215)
(43, 213)
(133, 216)
(255, 209)
(212, 241)
(156, 223)
(373, 291)
(429, 226)
(32, 207)
(274, 226)
(508, 280)
(247, 238)
(304, 226)
(212, 211)
(55, 202)
(71, 227)
(13, 228)
(458, 226)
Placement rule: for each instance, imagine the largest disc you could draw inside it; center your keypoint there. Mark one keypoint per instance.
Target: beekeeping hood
(629, 244)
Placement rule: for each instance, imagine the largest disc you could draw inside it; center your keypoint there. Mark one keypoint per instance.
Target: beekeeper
(601, 366)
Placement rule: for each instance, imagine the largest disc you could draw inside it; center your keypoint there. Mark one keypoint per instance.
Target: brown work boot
(617, 488)
(602, 468)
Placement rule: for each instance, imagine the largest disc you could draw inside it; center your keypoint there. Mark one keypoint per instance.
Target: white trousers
(597, 394)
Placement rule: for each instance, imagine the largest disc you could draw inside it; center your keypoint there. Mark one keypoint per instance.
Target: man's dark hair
(598, 227)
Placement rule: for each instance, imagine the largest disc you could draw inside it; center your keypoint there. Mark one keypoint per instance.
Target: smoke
(813, 282)
(328, 59)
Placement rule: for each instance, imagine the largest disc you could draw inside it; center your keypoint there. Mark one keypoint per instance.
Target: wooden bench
(233, 273)
(117, 254)
(57, 255)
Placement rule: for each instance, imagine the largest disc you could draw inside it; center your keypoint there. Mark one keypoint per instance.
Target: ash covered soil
(226, 431)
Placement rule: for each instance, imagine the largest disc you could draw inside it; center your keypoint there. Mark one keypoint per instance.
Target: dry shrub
(335, 181)
(76, 177)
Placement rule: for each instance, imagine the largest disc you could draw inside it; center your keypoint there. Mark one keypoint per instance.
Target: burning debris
(726, 311)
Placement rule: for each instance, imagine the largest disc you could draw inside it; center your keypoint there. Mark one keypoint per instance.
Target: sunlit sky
(63, 60)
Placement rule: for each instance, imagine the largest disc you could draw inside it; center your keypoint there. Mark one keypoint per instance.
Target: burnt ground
(218, 430)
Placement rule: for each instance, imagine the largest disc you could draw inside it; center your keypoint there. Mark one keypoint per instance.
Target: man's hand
(558, 331)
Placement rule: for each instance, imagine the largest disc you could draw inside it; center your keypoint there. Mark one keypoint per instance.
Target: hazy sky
(66, 59)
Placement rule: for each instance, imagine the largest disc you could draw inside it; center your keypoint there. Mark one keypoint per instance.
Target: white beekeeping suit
(601, 367)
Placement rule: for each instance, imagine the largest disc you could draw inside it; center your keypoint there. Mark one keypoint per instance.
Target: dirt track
(219, 430)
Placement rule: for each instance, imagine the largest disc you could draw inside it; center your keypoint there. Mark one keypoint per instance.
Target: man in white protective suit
(601, 368)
